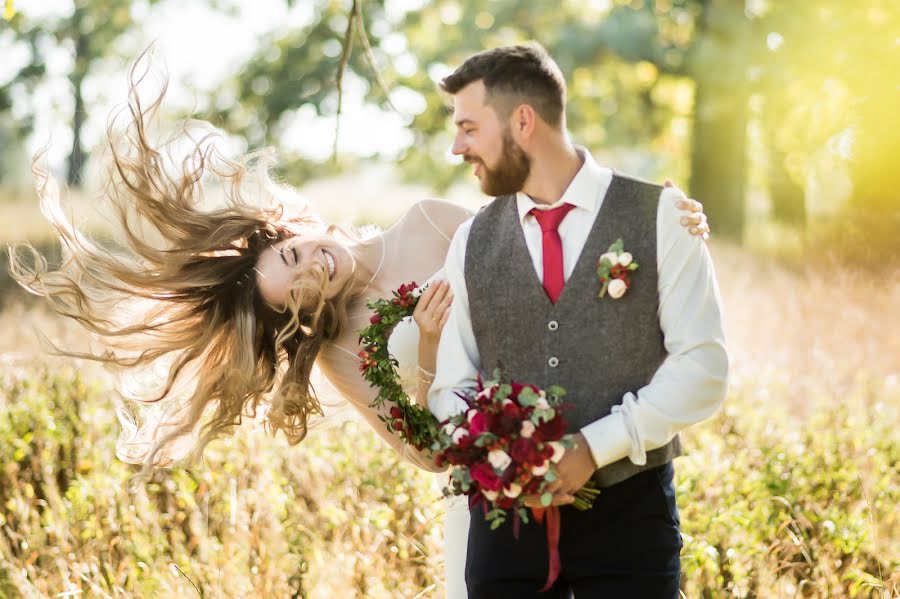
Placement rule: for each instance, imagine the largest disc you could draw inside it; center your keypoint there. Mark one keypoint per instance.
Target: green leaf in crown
(415, 424)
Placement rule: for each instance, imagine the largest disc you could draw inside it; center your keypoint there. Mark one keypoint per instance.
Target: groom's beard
(511, 172)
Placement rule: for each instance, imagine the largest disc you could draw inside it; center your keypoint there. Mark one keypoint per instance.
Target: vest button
(553, 362)
(552, 325)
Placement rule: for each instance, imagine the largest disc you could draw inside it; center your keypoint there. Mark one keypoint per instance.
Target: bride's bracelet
(425, 376)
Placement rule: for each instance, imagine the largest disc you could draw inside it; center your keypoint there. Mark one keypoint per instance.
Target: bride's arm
(430, 315)
(342, 371)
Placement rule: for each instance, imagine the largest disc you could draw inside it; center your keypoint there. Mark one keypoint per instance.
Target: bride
(214, 312)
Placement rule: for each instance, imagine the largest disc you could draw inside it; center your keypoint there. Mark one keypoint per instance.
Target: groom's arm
(690, 384)
(457, 357)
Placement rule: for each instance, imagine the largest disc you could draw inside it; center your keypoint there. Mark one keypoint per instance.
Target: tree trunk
(718, 159)
(76, 157)
(718, 62)
(788, 199)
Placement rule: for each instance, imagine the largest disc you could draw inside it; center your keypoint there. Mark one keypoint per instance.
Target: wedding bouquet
(505, 447)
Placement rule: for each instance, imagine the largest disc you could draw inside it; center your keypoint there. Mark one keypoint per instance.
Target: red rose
(503, 425)
(517, 388)
(552, 430)
(512, 410)
(547, 452)
(483, 474)
(525, 451)
(396, 413)
(376, 319)
(466, 441)
(478, 425)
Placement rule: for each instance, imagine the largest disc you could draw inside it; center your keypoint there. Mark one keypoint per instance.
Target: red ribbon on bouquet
(553, 522)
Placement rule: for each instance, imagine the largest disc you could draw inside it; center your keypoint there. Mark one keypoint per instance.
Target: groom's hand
(573, 470)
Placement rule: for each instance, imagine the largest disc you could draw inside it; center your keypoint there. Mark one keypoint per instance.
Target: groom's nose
(459, 147)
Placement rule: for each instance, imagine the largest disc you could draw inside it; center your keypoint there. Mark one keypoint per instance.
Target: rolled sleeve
(691, 383)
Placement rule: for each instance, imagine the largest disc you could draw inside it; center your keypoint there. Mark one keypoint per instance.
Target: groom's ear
(523, 121)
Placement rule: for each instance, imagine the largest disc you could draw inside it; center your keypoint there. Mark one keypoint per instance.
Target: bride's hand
(433, 309)
(695, 223)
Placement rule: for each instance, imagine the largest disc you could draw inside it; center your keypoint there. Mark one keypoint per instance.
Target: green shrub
(772, 505)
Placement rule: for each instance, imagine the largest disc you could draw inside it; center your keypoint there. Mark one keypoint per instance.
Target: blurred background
(783, 118)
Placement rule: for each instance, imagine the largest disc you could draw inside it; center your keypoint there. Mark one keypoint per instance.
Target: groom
(637, 369)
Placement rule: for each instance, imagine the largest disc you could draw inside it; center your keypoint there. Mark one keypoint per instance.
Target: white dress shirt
(690, 384)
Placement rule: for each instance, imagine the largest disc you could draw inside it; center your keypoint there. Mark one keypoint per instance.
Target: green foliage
(768, 510)
(640, 73)
(90, 31)
(415, 424)
(259, 519)
(767, 507)
(296, 70)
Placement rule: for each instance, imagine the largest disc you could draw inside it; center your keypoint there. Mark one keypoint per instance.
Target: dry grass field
(790, 491)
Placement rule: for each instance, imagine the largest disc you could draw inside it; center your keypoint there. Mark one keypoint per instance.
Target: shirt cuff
(608, 439)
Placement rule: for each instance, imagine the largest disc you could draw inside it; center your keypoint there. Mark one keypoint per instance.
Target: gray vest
(597, 349)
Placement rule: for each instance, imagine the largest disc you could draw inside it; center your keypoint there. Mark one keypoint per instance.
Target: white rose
(490, 495)
(558, 451)
(459, 434)
(499, 459)
(611, 257)
(512, 491)
(542, 403)
(625, 259)
(448, 428)
(527, 429)
(506, 402)
(617, 288)
(470, 415)
(542, 469)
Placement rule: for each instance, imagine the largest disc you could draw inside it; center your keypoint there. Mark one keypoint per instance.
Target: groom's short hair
(513, 75)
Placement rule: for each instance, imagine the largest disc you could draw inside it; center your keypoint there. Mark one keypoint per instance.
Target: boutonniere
(613, 268)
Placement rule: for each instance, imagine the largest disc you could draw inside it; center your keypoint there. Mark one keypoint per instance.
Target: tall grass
(790, 491)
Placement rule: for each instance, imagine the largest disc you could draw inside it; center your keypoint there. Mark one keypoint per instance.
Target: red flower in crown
(414, 423)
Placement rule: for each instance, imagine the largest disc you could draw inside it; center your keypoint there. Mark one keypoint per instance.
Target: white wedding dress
(403, 344)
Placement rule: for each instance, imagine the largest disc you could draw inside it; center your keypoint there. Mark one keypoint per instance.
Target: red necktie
(549, 220)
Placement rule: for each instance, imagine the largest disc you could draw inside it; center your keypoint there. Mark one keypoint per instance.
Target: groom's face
(485, 142)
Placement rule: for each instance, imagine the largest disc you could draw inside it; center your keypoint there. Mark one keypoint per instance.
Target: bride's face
(317, 257)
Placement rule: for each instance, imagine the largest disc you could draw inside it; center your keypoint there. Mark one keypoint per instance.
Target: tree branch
(370, 56)
(342, 67)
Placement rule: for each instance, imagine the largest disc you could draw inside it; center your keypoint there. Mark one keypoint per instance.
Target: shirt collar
(585, 191)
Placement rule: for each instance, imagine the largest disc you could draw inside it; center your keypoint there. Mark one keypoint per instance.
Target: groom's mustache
(472, 159)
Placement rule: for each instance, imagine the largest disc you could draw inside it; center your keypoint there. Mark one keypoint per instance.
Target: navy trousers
(626, 546)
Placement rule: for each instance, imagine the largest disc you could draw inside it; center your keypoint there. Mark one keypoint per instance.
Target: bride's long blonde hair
(174, 302)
